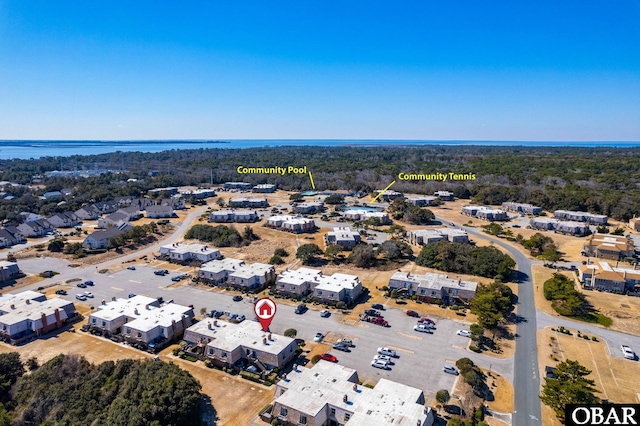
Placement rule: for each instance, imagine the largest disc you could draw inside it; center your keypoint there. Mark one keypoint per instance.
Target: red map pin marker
(265, 310)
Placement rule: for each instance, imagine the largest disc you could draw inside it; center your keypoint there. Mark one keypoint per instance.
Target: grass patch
(190, 358)
(72, 280)
(103, 271)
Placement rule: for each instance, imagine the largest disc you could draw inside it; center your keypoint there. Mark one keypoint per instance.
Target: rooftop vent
(345, 398)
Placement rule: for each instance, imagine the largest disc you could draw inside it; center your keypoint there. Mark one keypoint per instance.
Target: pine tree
(570, 386)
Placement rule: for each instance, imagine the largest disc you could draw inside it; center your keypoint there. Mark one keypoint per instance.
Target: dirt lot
(623, 310)
(616, 379)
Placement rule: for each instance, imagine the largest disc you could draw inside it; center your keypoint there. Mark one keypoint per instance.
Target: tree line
(598, 180)
(68, 390)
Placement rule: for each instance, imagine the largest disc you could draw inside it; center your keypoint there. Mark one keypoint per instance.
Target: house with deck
(432, 288)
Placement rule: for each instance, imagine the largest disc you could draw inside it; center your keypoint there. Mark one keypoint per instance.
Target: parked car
(252, 369)
(61, 292)
(378, 363)
(423, 328)
(627, 352)
(81, 297)
(161, 272)
(88, 294)
(132, 295)
(426, 320)
(88, 282)
(318, 337)
(347, 341)
(379, 321)
(450, 369)
(387, 352)
(463, 333)
(176, 278)
(378, 306)
(301, 309)
(372, 313)
(341, 347)
(325, 313)
(232, 317)
(131, 268)
(329, 357)
(384, 358)
(412, 313)
(241, 318)
(81, 285)
(237, 298)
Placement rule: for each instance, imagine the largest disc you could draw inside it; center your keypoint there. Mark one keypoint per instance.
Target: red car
(427, 320)
(379, 321)
(329, 357)
(412, 313)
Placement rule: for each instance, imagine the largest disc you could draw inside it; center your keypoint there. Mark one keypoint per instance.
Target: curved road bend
(526, 380)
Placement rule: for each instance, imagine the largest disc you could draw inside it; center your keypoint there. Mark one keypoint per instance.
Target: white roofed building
(299, 283)
(362, 215)
(291, 224)
(142, 319)
(337, 288)
(485, 213)
(186, 252)
(230, 215)
(28, 314)
(330, 394)
(428, 236)
(343, 236)
(237, 345)
(433, 287)
(422, 201)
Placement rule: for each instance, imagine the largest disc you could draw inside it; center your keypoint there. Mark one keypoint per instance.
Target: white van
(450, 369)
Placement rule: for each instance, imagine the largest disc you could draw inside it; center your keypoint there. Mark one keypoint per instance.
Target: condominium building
(185, 252)
(485, 213)
(428, 236)
(329, 394)
(344, 237)
(595, 219)
(433, 287)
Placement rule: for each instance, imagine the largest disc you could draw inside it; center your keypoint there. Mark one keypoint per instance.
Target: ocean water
(36, 149)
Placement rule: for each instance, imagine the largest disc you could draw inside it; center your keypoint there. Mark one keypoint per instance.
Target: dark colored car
(412, 313)
(88, 282)
(82, 285)
(132, 295)
(341, 347)
(329, 357)
(377, 306)
(301, 308)
(61, 292)
(237, 298)
(372, 313)
(162, 272)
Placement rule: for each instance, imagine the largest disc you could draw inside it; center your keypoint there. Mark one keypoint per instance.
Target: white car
(325, 313)
(423, 328)
(627, 352)
(81, 297)
(463, 333)
(387, 352)
(88, 294)
(318, 337)
(384, 358)
(377, 363)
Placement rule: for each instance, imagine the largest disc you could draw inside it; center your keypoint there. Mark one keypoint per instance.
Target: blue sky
(461, 70)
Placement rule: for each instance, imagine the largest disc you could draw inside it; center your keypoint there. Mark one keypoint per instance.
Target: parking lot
(421, 355)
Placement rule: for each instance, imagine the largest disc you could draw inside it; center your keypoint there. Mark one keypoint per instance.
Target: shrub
(276, 260)
(250, 376)
(280, 252)
(474, 348)
(594, 338)
(267, 383)
(290, 332)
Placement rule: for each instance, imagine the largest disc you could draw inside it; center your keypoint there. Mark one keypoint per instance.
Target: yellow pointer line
(313, 185)
(382, 192)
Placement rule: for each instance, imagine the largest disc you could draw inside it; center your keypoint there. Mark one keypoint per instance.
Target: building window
(333, 411)
(93, 320)
(211, 351)
(319, 292)
(283, 412)
(347, 416)
(104, 324)
(128, 331)
(139, 334)
(303, 420)
(293, 288)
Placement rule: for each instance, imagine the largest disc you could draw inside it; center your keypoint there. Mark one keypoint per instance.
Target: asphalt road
(526, 381)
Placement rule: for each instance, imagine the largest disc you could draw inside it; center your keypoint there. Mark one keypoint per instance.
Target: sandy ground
(623, 310)
(501, 388)
(616, 379)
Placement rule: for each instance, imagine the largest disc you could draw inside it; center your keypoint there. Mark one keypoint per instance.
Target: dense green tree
(332, 251)
(56, 245)
(334, 199)
(443, 396)
(565, 299)
(491, 304)
(69, 390)
(307, 253)
(220, 235)
(395, 249)
(296, 197)
(11, 369)
(281, 252)
(276, 260)
(570, 386)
